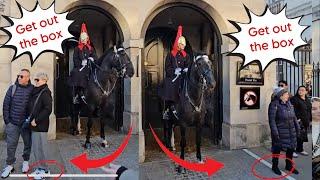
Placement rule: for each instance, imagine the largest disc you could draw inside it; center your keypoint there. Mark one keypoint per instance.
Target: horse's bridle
(116, 56)
(119, 73)
(203, 84)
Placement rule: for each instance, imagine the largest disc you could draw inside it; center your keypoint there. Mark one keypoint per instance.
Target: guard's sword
(173, 80)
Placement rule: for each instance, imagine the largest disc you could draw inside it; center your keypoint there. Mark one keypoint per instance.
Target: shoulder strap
(13, 90)
(36, 102)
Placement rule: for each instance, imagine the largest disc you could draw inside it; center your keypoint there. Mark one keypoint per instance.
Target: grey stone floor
(237, 165)
(67, 146)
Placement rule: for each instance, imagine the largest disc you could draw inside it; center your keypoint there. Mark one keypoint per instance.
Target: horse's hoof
(200, 161)
(87, 145)
(75, 133)
(173, 148)
(104, 143)
(180, 169)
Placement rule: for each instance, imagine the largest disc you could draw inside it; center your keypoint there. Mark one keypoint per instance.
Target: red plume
(174, 50)
(80, 44)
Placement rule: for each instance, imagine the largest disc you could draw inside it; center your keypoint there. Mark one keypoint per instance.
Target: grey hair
(42, 75)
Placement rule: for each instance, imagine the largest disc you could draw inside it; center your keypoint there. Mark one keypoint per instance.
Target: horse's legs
(75, 119)
(104, 142)
(198, 142)
(183, 140)
(183, 128)
(172, 137)
(89, 125)
(166, 132)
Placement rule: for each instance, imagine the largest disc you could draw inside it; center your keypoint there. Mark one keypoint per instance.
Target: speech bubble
(37, 31)
(267, 37)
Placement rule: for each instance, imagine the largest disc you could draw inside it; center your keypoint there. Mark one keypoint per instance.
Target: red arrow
(210, 166)
(83, 163)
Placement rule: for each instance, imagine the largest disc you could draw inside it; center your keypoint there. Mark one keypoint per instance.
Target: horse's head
(121, 62)
(202, 68)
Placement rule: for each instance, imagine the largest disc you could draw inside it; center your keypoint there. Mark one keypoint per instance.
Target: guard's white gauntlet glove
(91, 59)
(185, 70)
(84, 62)
(177, 71)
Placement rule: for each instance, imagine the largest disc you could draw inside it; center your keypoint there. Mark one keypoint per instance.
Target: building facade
(140, 25)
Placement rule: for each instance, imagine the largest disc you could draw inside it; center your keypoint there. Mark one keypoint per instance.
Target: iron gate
(304, 72)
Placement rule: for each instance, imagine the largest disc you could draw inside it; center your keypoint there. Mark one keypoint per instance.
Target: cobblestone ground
(237, 165)
(67, 146)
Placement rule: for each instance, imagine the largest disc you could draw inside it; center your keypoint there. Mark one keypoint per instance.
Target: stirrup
(75, 99)
(165, 115)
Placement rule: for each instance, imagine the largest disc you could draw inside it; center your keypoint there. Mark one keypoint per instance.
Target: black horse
(99, 94)
(191, 107)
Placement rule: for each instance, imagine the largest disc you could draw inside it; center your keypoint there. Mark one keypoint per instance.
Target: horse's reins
(197, 108)
(116, 56)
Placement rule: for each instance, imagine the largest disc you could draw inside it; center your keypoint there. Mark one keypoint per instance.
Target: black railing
(295, 74)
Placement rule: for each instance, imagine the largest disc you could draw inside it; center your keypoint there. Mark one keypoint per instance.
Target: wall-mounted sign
(249, 98)
(249, 75)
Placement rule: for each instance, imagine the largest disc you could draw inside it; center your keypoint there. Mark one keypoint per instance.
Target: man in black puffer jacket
(14, 115)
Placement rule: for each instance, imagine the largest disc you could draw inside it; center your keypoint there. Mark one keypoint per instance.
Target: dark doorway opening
(104, 33)
(202, 35)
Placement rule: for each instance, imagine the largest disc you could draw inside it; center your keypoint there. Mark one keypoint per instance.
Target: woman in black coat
(40, 108)
(302, 108)
(284, 129)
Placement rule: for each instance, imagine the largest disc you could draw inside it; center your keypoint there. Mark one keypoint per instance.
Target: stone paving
(237, 165)
(67, 146)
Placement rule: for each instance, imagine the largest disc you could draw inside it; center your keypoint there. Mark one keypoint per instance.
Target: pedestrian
(283, 84)
(284, 129)
(14, 114)
(39, 108)
(302, 107)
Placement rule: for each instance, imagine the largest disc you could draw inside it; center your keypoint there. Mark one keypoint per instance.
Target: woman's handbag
(26, 123)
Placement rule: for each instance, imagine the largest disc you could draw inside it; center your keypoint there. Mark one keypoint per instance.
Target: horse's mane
(101, 58)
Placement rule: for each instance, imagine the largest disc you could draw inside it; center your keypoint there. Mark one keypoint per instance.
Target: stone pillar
(5, 59)
(133, 94)
(245, 128)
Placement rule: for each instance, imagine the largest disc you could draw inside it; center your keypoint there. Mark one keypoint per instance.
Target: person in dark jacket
(14, 114)
(302, 108)
(83, 55)
(176, 67)
(40, 108)
(284, 129)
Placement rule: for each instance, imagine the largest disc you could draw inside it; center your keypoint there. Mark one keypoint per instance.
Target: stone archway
(153, 69)
(105, 31)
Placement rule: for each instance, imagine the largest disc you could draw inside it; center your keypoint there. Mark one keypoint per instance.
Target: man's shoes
(295, 155)
(40, 173)
(276, 170)
(304, 153)
(7, 171)
(25, 167)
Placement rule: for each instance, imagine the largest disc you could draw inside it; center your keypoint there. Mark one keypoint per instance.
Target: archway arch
(107, 9)
(158, 36)
(106, 27)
